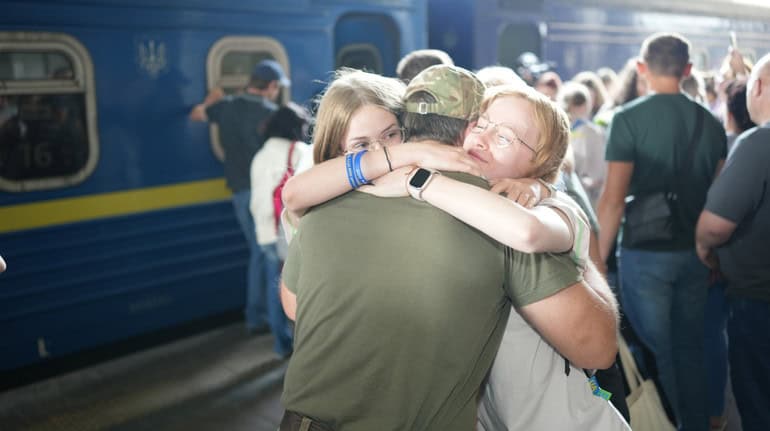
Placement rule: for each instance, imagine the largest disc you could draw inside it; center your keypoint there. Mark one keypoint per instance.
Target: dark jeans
(748, 330)
(256, 296)
(716, 347)
(664, 296)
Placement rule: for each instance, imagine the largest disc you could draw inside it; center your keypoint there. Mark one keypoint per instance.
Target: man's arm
(198, 112)
(711, 232)
(612, 203)
(289, 302)
(580, 322)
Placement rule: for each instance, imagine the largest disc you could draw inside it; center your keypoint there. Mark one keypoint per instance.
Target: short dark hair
(289, 122)
(447, 130)
(417, 61)
(666, 54)
(258, 83)
(736, 105)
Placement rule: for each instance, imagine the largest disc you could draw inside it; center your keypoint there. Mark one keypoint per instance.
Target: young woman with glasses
(360, 111)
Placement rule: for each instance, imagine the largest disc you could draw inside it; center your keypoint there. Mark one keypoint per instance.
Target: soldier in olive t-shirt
(400, 311)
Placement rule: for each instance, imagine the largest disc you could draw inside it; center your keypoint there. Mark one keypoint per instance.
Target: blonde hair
(550, 120)
(351, 90)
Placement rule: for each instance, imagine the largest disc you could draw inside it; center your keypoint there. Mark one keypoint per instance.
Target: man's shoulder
(353, 204)
(653, 103)
(756, 134)
(751, 142)
(636, 105)
(255, 100)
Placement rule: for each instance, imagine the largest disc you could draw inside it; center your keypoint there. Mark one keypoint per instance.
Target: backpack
(277, 201)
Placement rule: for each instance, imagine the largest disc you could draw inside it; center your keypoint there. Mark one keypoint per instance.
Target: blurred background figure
(735, 66)
(737, 117)
(416, 61)
(731, 237)
(586, 138)
(663, 283)
(714, 101)
(609, 77)
(549, 84)
(628, 87)
(529, 68)
(493, 76)
(284, 150)
(693, 86)
(241, 119)
(596, 87)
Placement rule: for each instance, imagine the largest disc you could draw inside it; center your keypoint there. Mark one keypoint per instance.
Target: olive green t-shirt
(654, 132)
(400, 311)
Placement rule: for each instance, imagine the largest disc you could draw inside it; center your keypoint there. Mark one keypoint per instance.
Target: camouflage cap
(458, 92)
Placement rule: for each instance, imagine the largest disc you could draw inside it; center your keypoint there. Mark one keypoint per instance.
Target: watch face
(419, 178)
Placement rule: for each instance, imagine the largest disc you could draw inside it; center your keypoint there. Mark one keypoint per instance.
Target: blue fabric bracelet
(360, 178)
(350, 171)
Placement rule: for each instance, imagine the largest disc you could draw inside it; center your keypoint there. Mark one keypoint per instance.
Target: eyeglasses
(505, 135)
(391, 136)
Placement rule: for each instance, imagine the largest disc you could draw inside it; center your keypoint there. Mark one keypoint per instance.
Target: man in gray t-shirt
(736, 224)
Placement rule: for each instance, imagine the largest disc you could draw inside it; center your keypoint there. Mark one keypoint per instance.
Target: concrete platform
(222, 379)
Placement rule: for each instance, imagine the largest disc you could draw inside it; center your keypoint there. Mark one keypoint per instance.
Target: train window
(516, 39)
(34, 65)
(229, 66)
(363, 56)
(48, 133)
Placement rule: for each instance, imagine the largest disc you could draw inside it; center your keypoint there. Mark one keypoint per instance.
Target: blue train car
(587, 34)
(114, 217)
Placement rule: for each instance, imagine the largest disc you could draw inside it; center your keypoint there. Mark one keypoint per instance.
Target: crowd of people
(457, 240)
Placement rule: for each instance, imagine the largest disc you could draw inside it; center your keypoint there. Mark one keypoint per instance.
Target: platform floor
(223, 379)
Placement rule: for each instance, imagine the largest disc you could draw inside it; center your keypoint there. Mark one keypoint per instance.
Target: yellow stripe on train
(69, 210)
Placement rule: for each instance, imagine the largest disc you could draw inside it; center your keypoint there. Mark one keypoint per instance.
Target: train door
(368, 41)
(517, 38)
(229, 65)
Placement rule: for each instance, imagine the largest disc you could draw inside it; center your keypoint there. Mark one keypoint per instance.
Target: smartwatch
(418, 181)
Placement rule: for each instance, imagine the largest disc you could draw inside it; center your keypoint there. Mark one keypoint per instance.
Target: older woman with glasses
(518, 136)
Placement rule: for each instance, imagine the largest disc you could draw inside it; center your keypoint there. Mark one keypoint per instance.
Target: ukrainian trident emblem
(152, 57)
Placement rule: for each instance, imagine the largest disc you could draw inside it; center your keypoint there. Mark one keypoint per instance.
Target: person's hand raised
(527, 192)
(437, 156)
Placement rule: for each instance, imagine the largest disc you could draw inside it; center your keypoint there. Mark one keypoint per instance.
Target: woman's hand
(736, 63)
(527, 192)
(434, 155)
(390, 185)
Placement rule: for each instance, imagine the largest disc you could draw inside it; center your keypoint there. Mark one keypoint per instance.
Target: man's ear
(687, 70)
(641, 67)
(468, 128)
